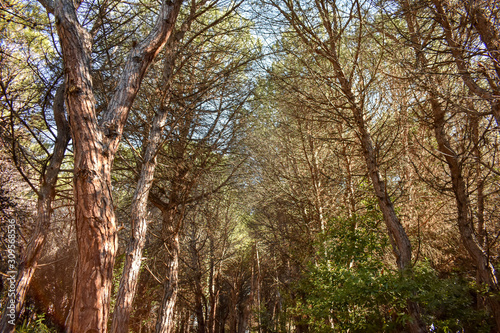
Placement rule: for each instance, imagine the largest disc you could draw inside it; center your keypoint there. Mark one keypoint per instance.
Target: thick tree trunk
(95, 218)
(486, 270)
(96, 238)
(95, 145)
(46, 195)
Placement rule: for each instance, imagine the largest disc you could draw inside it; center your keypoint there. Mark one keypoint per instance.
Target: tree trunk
(198, 289)
(173, 216)
(165, 321)
(128, 282)
(200, 319)
(95, 144)
(244, 315)
(213, 286)
(401, 245)
(46, 195)
(233, 305)
(486, 270)
(133, 258)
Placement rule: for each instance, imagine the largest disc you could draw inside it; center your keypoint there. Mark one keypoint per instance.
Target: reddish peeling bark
(95, 144)
(46, 195)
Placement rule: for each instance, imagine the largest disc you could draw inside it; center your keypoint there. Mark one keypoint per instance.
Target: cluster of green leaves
(35, 326)
(351, 288)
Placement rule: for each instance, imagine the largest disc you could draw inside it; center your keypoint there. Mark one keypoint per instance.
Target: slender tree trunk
(480, 230)
(486, 270)
(399, 239)
(133, 258)
(233, 306)
(173, 215)
(244, 315)
(198, 289)
(131, 270)
(213, 290)
(128, 282)
(46, 195)
(165, 321)
(200, 318)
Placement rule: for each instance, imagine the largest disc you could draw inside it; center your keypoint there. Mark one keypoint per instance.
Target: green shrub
(349, 288)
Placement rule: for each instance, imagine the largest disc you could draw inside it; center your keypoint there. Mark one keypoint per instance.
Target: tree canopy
(241, 166)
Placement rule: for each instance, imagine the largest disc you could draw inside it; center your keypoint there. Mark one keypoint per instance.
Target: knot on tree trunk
(110, 130)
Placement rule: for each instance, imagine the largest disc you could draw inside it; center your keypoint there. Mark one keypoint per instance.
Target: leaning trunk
(401, 245)
(46, 196)
(129, 279)
(399, 239)
(486, 270)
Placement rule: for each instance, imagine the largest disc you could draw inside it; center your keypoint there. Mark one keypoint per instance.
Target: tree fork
(95, 144)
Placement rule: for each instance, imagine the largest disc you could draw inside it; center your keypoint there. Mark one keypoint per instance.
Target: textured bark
(95, 144)
(400, 242)
(165, 320)
(486, 270)
(173, 217)
(133, 258)
(129, 279)
(46, 196)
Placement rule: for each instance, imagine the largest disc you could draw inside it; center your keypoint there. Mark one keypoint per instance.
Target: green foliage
(350, 288)
(36, 326)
